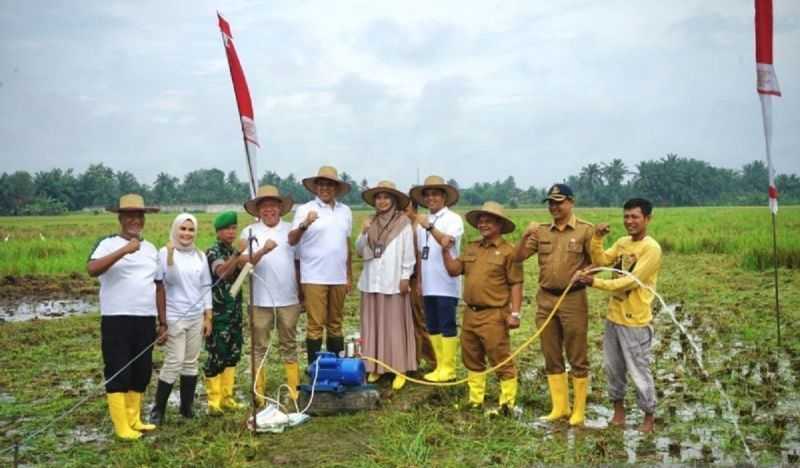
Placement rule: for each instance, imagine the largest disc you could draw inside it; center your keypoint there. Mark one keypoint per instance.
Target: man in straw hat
(126, 266)
(321, 230)
(564, 248)
(224, 345)
(276, 285)
(440, 291)
(492, 301)
(387, 246)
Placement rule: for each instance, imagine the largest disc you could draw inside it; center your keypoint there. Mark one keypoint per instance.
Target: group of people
(410, 285)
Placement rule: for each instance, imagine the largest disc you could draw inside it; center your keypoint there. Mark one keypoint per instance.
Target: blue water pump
(335, 374)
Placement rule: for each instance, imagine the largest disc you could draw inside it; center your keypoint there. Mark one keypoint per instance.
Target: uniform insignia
(555, 189)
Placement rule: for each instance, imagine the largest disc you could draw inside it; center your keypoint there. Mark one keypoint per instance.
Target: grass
(47, 366)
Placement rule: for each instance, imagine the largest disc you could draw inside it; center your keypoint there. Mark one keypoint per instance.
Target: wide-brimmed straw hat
(327, 173)
(387, 187)
(132, 202)
(495, 209)
(264, 192)
(435, 182)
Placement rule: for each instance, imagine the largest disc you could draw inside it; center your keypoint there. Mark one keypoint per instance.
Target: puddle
(36, 310)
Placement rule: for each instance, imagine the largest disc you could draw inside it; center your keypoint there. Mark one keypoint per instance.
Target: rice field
(61, 244)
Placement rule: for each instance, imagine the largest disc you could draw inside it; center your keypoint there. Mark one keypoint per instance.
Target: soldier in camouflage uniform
(224, 345)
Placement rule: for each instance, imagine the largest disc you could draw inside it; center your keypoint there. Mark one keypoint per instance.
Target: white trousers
(184, 340)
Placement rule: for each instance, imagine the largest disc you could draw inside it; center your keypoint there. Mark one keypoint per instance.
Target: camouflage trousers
(224, 344)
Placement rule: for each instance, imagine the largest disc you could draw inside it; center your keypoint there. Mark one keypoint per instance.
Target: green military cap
(225, 219)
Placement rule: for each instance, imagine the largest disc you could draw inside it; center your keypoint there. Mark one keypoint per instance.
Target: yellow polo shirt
(630, 304)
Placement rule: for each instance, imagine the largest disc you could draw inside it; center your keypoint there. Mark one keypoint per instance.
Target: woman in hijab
(386, 244)
(187, 282)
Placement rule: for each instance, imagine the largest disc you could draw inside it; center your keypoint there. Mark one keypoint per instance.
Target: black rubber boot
(160, 406)
(312, 348)
(335, 344)
(188, 386)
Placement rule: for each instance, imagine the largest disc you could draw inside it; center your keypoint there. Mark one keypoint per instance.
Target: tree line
(668, 181)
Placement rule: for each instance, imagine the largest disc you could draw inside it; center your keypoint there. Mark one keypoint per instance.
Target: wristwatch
(303, 226)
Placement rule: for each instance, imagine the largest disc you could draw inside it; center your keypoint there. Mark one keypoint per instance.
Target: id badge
(377, 251)
(424, 254)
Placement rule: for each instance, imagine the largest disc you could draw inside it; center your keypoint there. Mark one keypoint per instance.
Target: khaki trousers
(325, 309)
(485, 334)
(263, 321)
(567, 331)
(184, 340)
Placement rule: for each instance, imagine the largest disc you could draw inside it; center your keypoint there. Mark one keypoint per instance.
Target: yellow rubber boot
(292, 378)
(399, 381)
(119, 417)
(214, 392)
(261, 387)
(477, 388)
(559, 397)
(450, 345)
(580, 387)
(228, 381)
(508, 392)
(436, 343)
(133, 405)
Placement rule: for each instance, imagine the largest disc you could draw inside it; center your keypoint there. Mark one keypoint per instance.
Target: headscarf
(387, 225)
(173, 244)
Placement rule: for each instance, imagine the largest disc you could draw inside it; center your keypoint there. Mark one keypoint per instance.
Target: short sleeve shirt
(435, 279)
(128, 287)
(323, 248)
(275, 284)
(489, 272)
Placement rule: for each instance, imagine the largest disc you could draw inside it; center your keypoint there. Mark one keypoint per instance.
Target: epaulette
(582, 221)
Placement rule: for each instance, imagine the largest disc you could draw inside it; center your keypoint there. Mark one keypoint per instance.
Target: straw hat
(387, 187)
(132, 202)
(328, 173)
(495, 209)
(435, 182)
(264, 192)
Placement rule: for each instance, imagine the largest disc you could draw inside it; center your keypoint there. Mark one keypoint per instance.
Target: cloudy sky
(473, 90)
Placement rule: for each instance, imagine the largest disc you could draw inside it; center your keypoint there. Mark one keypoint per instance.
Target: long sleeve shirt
(630, 304)
(383, 274)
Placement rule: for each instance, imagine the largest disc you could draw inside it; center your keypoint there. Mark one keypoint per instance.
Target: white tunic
(323, 247)
(276, 284)
(383, 274)
(128, 288)
(435, 279)
(187, 283)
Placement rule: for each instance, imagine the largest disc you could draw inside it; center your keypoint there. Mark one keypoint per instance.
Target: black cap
(559, 192)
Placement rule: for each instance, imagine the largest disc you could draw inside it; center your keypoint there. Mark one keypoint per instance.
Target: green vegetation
(727, 307)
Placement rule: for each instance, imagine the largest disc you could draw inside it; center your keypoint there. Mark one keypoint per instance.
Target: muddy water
(32, 309)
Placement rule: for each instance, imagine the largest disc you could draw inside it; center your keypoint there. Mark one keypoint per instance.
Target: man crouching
(492, 297)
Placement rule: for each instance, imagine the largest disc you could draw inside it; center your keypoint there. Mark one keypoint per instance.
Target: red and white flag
(243, 102)
(766, 85)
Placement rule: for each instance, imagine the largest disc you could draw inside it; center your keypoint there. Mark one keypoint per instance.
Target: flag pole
(775, 258)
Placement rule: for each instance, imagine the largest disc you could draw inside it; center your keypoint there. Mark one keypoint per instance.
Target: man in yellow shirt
(628, 334)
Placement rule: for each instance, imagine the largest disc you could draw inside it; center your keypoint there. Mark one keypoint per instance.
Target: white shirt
(435, 279)
(276, 284)
(187, 283)
(323, 247)
(128, 288)
(383, 274)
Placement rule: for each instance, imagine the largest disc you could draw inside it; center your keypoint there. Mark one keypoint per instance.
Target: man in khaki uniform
(492, 297)
(564, 248)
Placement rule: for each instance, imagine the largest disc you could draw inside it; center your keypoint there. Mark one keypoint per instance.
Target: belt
(478, 308)
(558, 292)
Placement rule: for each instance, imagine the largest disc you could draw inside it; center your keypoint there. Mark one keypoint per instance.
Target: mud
(76, 285)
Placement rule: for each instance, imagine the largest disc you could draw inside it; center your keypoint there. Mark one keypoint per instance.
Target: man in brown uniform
(492, 297)
(564, 248)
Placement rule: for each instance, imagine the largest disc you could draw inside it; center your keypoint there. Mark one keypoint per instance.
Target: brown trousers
(485, 334)
(421, 336)
(567, 331)
(263, 320)
(325, 307)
